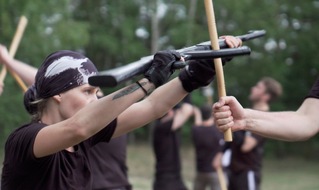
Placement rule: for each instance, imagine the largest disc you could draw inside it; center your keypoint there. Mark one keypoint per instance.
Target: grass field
(286, 174)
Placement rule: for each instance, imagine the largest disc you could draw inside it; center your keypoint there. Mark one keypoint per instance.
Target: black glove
(161, 68)
(196, 74)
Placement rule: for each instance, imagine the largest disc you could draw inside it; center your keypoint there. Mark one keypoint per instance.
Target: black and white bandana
(61, 71)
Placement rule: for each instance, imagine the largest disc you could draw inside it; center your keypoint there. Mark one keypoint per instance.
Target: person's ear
(57, 98)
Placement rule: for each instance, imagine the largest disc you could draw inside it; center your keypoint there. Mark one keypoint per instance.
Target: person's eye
(88, 92)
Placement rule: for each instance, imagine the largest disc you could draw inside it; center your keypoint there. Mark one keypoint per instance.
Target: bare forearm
(166, 97)
(23, 70)
(182, 115)
(249, 144)
(289, 126)
(198, 117)
(99, 113)
(151, 108)
(86, 122)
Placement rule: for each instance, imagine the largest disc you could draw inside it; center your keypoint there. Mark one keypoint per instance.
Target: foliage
(113, 33)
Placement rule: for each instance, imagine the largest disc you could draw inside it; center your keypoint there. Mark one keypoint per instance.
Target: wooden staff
(221, 178)
(12, 51)
(217, 62)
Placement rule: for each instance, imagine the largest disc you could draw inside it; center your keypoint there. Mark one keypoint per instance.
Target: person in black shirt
(109, 169)
(208, 143)
(166, 145)
(247, 148)
(108, 160)
(51, 152)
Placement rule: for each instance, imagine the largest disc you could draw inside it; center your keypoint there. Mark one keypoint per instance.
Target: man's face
(258, 92)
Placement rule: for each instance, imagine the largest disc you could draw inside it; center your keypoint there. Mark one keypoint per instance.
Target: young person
(108, 160)
(209, 144)
(166, 146)
(247, 148)
(51, 151)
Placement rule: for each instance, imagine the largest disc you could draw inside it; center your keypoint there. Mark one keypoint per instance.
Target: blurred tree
(50, 28)
(114, 33)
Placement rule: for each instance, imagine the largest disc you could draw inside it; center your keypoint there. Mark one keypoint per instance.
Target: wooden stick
(221, 178)
(12, 51)
(217, 62)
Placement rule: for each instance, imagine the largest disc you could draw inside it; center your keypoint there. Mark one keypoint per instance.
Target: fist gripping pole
(217, 62)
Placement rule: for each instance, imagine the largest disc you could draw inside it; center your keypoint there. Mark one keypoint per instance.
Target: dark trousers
(246, 180)
(128, 187)
(169, 183)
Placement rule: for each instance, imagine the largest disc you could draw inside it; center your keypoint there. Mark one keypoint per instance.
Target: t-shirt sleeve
(104, 135)
(19, 145)
(314, 91)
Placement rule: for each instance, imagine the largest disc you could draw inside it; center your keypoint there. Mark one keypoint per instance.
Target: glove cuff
(155, 77)
(185, 78)
(190, 80)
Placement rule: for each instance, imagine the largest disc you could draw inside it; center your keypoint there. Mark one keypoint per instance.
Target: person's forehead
(80, 88)
(88, 86)
(261, 83)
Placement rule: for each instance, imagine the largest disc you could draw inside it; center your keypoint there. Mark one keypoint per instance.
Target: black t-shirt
(246, 161)
(62, 170)
(208, 141)
(166, 144)
(314, 92)
(108, 161)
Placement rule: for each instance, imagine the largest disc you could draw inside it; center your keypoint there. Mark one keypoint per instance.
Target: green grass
(284, 174)
(291, 174)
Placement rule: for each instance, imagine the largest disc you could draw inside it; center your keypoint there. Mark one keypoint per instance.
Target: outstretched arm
(121, 104)
(249, 143)
(289, 126)
(87, 121)
(151, 108)
(182, 115)
(198, 73)
(198, 120)
(23, 70)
